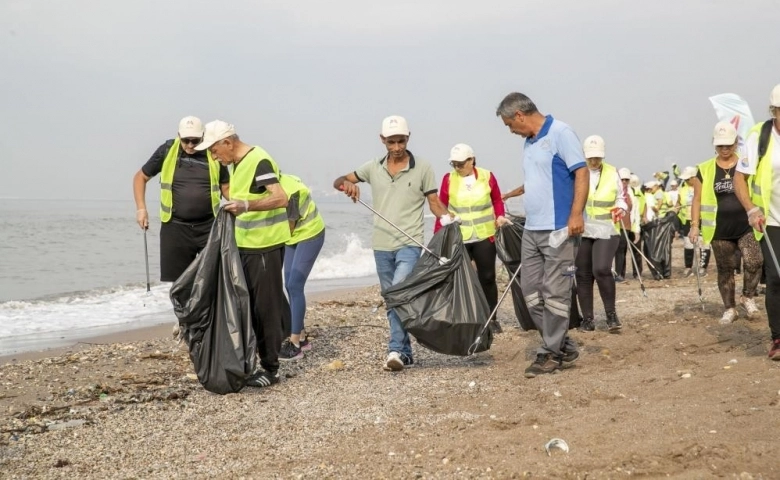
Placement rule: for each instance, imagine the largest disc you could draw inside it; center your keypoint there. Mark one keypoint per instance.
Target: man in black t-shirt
(190, 187)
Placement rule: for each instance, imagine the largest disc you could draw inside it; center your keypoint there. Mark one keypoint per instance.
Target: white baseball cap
(673, 183)
(651, 184)
(394, 125)
(190, 127)
(724, 134)
(688, 172)
(593, 147)
(625, 174)
(216, 131)
(774, 98)
(635, 182)
(461, 152)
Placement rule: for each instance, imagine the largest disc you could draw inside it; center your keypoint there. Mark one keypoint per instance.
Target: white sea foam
(352, 261)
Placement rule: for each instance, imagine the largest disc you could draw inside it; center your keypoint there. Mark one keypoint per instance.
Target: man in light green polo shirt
(400, 185)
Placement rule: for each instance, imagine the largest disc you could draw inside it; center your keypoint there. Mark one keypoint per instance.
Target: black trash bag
(211, 302)
(509, 246)
(443, 306)
(657, 238)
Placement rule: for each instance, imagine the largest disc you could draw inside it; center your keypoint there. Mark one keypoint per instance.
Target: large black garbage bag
(657, 238)
(443, 306)
(211, 302)
(509, 246)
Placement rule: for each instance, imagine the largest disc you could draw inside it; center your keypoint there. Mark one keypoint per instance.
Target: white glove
(456, 219)
(445, 220)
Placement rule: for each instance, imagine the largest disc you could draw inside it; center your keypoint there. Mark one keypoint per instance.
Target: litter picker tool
(633, 257)
(697, 258)
(442, 260)
(146, 258)
(476, 343)
(643, 256)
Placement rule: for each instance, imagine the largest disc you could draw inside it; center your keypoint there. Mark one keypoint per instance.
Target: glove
(445, 220)
(502, 220)
(237, 207)
(456, 219)
(756, 219)
(142, 217)
(617, 214)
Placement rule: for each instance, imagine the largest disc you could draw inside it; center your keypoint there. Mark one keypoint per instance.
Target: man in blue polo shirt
(556, 188)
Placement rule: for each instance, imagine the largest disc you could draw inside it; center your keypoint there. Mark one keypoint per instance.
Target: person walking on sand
(638, 212)
(472, 193)
(626, 235)
(400, 185)
(684, 202)
(190, 188)
(606, 203)
(307, 230)
(762, 203)
(261, 229)
(724, 223)
(556, 187)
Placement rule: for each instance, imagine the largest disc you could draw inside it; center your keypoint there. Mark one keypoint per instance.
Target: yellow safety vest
(257, 229)
(601, 201)
(474, 206)
(636, 221)
(666, 204)
(709, 202)
(166, 182)
(761, 183)
(685, 208)
(310, 223)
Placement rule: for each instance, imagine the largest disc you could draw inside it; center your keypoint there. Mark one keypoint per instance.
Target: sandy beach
(675, 395)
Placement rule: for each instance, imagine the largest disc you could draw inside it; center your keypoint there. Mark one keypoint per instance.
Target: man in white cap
(190, 189)
(261, 228)
(556, 189)
(762, 203)
(400, 185)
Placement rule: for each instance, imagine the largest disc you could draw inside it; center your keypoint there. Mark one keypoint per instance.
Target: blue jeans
(393, 268)
(298, 262)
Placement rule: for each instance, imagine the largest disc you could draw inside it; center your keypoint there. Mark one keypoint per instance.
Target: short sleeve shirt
(749, 163)
(400, 199)
(549, 162)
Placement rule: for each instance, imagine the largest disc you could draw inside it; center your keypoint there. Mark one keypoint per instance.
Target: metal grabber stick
(636, 264)
(442, 260)
(697, 250)
(474, 345)
(146, 257)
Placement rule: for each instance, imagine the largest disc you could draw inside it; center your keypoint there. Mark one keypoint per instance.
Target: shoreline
(126, 333)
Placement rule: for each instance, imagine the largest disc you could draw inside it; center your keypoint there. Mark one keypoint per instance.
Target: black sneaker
(613, 324)
(568, 358)
(544, 363)
(262, 379)
(587, 324)
(290, 352)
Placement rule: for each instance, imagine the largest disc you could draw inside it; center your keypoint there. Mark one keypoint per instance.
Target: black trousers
(263, 272)
(594, 262)
(484, 255)
(180, 243)
(772, 296)
(622, 250)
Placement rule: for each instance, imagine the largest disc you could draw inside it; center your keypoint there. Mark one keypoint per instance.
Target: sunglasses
(455, 164)
(191, 141)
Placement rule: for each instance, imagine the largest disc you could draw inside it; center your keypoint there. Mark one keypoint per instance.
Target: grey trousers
(546, 280)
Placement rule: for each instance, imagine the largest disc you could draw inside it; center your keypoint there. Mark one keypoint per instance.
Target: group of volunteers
(727, 202)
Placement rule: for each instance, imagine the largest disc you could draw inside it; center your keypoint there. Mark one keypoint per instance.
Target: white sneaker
(394, 362)
(750, 306)
(729, 316)
(688, 272)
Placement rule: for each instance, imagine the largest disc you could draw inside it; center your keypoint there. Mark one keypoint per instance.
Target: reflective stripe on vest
(166, 182)
(709, 202)
(257, 229)
(474, 205)
(310, 223)
(601, 200)
(761, 182)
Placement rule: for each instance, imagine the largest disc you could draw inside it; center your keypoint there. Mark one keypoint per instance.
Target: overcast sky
(90, 88)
